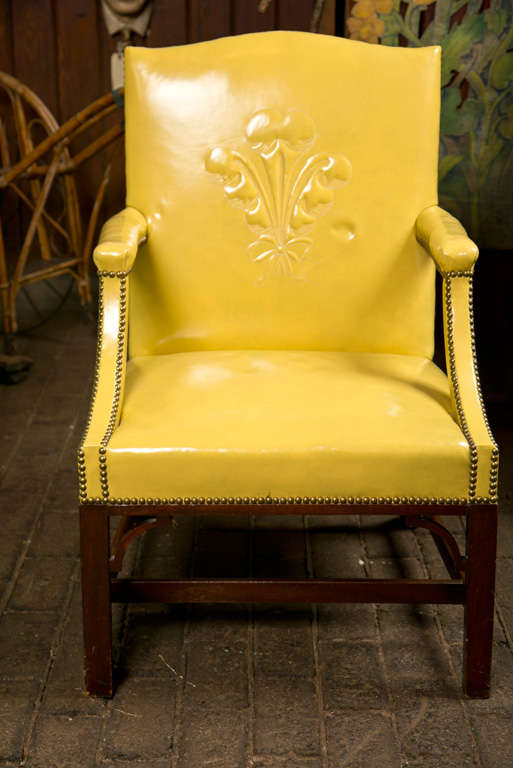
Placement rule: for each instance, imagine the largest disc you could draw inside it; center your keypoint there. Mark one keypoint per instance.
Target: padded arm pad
(119, 238)
(446, 240)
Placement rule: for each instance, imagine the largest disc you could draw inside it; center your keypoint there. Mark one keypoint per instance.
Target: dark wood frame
(471, 581)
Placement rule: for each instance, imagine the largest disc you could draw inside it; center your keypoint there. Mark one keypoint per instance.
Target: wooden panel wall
(61, 49)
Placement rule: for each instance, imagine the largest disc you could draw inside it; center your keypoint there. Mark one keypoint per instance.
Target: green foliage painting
(476, 143)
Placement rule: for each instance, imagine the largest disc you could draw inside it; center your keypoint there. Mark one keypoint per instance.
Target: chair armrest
(467, 401)
(455, 255)
(114, 256)
(446, 240)
(119, 239)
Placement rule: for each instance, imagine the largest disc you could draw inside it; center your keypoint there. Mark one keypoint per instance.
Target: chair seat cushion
(251, 423)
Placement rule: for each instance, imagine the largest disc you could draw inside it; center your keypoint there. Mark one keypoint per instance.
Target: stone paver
(361, 739)
(141, 724)
(333, 686)
(62, 741)
(214, 702)
(42, 583)
(17, 699)
(26, 644)
(493, 733)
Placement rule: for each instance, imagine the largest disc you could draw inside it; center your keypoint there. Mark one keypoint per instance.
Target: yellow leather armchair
(266, 317)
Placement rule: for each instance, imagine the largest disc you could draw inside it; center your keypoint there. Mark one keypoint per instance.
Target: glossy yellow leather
(290, 359)
(467, 378)
(373, 109)
(286, 423)
(446, 240)
(109, 374)
(455, 254)
(119, 240)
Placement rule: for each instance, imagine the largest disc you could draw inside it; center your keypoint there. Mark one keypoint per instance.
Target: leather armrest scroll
(119, 239)
(446, 240)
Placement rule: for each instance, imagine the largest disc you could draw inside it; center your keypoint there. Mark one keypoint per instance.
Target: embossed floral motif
(280, 185)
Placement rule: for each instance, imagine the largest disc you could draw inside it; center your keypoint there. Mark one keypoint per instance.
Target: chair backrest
(281, 174)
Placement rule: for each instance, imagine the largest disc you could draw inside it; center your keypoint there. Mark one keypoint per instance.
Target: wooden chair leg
(96, 604)
(479, 600)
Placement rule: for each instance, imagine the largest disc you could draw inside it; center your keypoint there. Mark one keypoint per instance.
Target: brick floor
(224, 687)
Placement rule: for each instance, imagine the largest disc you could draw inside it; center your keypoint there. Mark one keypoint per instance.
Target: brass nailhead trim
(472, 479)
(82, 479)
(313, 500)
(494, 461)
(120, 355)
(458, 273)
(104, 273)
